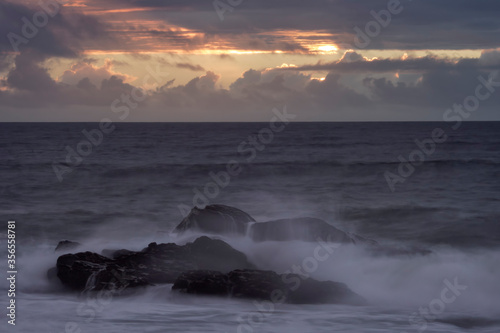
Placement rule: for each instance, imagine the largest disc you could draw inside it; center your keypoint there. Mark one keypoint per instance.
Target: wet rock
(203, 283)
(256, 284)
(52, 275)
(225, 220)
(217, 255)
(91, 271)
(157, 263)
(115, 253)
(66, 246)
(311, 291)
(216, 219)
(306, 229)
(266, 285)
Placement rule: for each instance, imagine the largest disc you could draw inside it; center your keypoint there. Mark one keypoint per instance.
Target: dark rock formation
(311, 291)
(158, 263)
(225, 220)
(115, 253)
(217, 255)
(216, 219)
(66, 246)
(306, 229)
(52, 275)
(203, 283)
(90, 271)
(266, 285)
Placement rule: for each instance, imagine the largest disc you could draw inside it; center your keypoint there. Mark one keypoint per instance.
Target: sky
(237, 60)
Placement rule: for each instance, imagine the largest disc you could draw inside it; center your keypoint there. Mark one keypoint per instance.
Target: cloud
(490, 58)
(250, 96)
(64, 35)
(340, 95)
(424, 24)
(438, 89)
(28, 75)
(226, 56)
(85, 69)
(353, 62)
(185, 65)
(354, 87)
(259, 25)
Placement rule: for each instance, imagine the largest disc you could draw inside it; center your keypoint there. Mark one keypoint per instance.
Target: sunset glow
(236, 57)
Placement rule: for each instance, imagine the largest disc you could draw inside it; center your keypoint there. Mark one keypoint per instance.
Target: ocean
(429, 188)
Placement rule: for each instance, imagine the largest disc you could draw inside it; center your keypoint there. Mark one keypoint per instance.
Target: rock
(324, 292)
(157, 263)
(216, 219)
(115, 253)
(203, 283)
(217, 255)
(160, 263)
(266, 285)
(91, 271)
(256, 284)
(306, 229)
(225, 220)
(52, 275)
(66, 246)
(391, 250)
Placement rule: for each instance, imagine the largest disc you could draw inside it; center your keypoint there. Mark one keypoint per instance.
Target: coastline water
(127, 193)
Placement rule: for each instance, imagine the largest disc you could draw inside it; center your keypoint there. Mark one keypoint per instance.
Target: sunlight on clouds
(287, 65)
(327, 48)
(95, 74)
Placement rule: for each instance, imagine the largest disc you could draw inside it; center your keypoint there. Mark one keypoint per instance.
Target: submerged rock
(266, 285)
(158, 263)
(66, 246)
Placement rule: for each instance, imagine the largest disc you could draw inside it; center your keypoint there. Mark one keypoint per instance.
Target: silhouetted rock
(115, 253)
(225, 220)
(203, 283)
(306, 229)
(216, 219)
(311, 291)
(266, 285)
(256, 284)
(158, 263)
(52, 275)
(66, 246)
(91, 271)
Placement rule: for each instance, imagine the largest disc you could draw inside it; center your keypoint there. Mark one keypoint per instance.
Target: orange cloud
(95, 74)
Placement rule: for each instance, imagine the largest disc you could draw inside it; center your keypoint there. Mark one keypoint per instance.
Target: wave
(386, 281)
